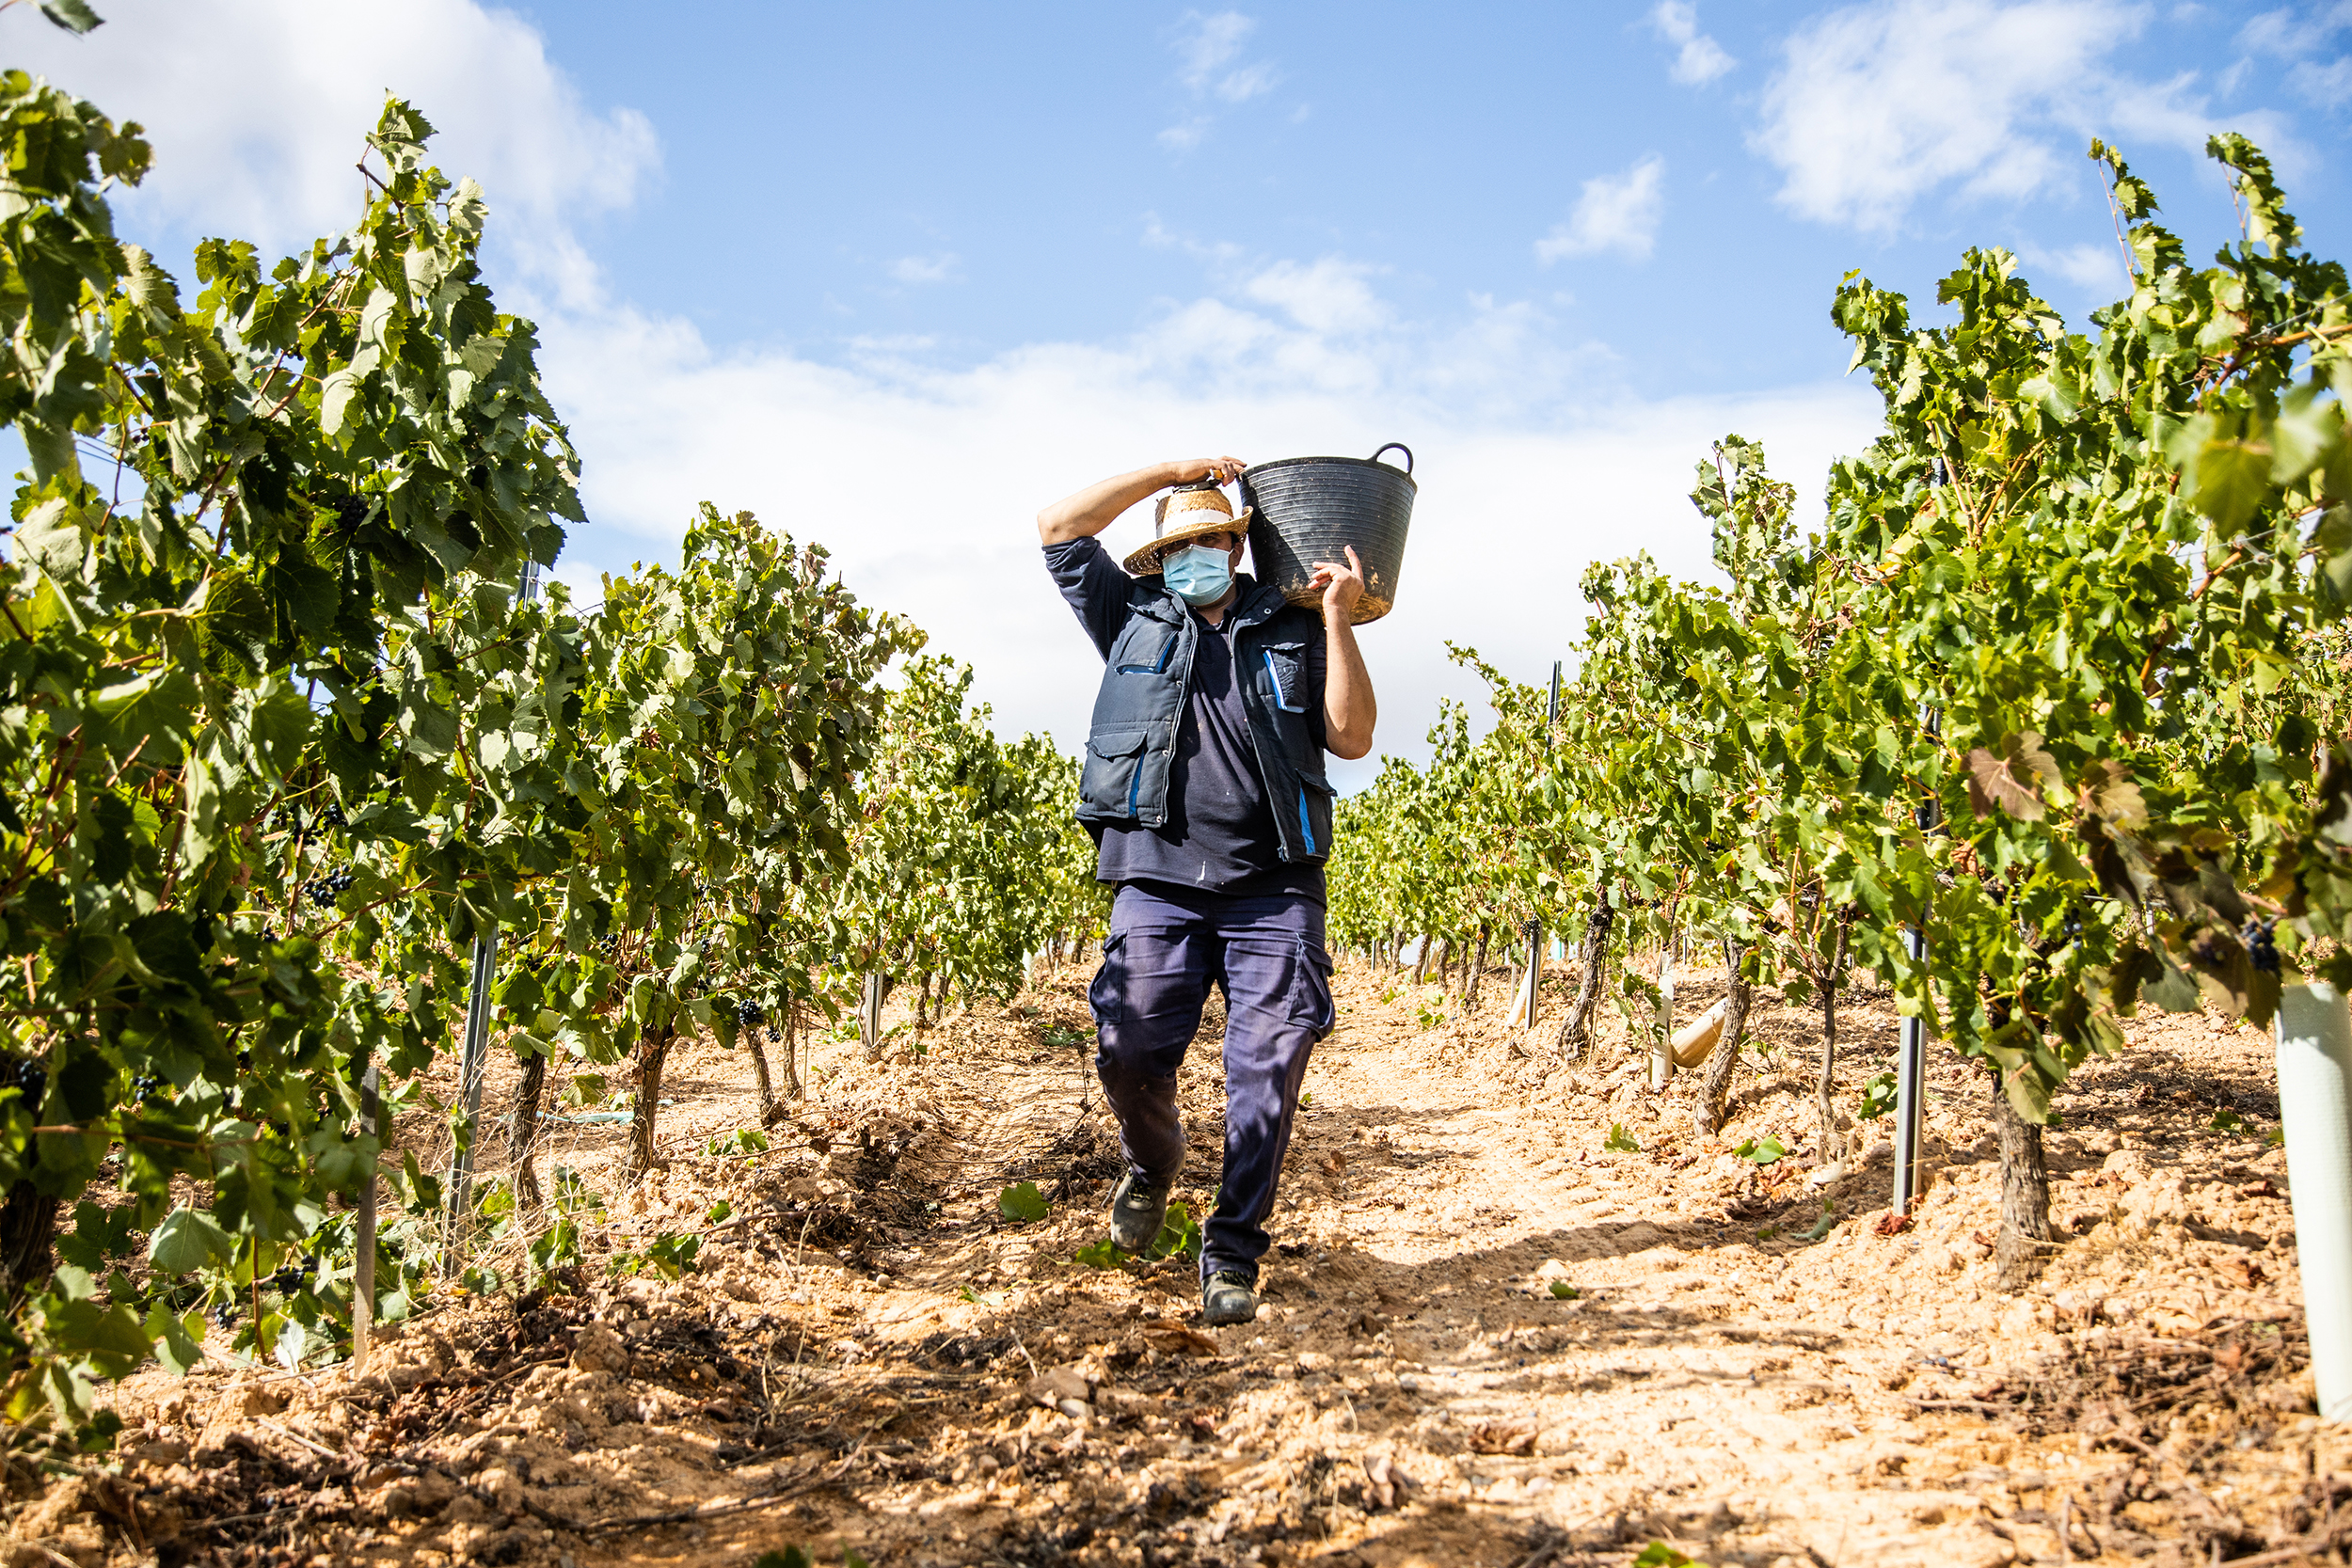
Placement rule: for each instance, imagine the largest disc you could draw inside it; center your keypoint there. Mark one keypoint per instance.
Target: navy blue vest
(1141, 706)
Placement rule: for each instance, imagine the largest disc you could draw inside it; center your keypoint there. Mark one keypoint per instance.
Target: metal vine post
(475, 1060)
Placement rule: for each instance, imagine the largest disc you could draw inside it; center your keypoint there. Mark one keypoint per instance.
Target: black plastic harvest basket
(1309, 508)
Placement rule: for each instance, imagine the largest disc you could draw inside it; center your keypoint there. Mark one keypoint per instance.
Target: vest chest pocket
(1113, 776)
(1285, 665)
(1145, 649)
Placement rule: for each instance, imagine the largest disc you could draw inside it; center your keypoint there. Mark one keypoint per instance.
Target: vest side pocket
(1315, 798)
(1113, 775)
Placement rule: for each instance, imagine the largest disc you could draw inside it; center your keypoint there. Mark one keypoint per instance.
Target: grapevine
(287, 721)
(2050, 687)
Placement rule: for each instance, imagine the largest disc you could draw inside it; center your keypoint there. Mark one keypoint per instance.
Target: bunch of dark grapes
(751, 1015)
(350, 513)
(287, 1280)
(146, 1086)
(323, 891)
(16, 1073)
(333, 815)
(225, 1315)
(2262, 945)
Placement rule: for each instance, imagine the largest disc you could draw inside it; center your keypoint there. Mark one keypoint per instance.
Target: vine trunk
(2024, 1196)
(1576, 1030)
(1715, 1090)
(523, 1133)
(653, 1050)
(28, 1230)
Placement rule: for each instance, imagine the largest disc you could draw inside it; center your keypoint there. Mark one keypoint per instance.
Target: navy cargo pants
(1167, 945)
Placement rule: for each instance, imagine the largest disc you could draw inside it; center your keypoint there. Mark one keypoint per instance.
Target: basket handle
(1396, 446)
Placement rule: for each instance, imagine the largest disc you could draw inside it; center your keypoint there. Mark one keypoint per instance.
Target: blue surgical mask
(1199, 574)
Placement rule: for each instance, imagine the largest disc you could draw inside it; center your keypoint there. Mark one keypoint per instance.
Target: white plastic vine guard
(2315, 1109)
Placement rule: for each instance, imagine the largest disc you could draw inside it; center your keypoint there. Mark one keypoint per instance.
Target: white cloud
(1876, 105)
(2098, 267)
(1239, 87)
(2289, 31)
(1618, 213)
(1209, 41)
(2309, 41)
(1699, 59)
(924, 483)
(270, 159)
(1159, 236)
(926, 269)
(1207, 44)
(1331, 296)
(1208, 51)
(2327, 84)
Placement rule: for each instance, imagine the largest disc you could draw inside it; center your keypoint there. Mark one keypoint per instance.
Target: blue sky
(893, 276)
(983, 178)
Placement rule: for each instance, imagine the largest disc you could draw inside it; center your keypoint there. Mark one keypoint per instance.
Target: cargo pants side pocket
(1311, 989)
(1110, 983)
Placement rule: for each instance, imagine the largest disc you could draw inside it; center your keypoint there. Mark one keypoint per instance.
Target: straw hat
(1186, 512)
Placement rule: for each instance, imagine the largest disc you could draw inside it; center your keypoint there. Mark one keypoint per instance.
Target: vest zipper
(1176, 717)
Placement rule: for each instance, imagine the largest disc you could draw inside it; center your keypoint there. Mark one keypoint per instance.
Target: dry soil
(1518, 1315)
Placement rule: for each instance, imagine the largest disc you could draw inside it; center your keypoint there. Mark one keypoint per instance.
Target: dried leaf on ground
(1504, 1437)
(1174, 1339)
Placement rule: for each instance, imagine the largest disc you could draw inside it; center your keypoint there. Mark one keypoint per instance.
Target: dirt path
(1487, 1337)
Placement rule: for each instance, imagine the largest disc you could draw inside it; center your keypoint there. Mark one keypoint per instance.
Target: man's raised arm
(1096, 507)
(1349, 709)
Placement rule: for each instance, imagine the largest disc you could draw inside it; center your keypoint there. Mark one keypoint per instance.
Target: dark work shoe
(1227, 1297)
(1139, 1209)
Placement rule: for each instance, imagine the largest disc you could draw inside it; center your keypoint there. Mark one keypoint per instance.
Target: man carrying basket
(1203, 788)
